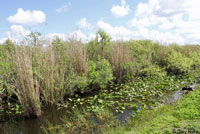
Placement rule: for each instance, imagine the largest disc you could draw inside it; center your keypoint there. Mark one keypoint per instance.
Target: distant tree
(103, 39)
(35, 38)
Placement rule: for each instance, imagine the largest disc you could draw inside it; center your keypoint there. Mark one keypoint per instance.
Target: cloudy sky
(166, 21)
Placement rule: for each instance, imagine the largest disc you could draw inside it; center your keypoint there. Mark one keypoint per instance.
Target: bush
(144, 50)
(195, 58)
(76, 83)
(161, 54)
(99, 47)
(178, 63)
(144, 56)
(100, 74)
(151, 71)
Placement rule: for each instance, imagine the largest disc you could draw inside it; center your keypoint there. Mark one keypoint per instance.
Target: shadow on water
(33, 126)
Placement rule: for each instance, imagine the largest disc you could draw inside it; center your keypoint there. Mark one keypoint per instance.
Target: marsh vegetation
(101, 78)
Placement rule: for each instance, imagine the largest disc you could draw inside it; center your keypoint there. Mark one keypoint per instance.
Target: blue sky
(166, 21)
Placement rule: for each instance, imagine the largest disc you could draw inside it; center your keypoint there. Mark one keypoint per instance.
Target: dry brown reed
(27, 89)
(78, 56)
(50, 73)
(119, 58)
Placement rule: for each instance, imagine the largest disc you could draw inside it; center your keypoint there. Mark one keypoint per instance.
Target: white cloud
(161, 8)
(121, 33)
(91, 37)
(178, 20)
(165, 37)
(169, 8)
(145, 21)
(193, 9)
(78, 36)
(63, 8)
(17, 33)
(84, 24)
(3, 40)
(28, 18)
(116, 33)
(120, 11)
(166, 25)
(52, 36)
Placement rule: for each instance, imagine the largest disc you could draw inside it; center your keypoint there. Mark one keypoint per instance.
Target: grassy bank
(181, 117)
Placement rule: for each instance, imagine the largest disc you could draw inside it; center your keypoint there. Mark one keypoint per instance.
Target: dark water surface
(33, 126)
(174, 97)
(54, 116)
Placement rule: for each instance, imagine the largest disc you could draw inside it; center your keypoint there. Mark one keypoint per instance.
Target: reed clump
(121, 60)
(27, 87)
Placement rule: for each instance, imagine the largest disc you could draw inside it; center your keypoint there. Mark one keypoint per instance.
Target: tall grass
(27, 89)
(121, 60)
(78, 57)
(51, 75)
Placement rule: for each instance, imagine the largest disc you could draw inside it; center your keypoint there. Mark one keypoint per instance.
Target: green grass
(182, 117)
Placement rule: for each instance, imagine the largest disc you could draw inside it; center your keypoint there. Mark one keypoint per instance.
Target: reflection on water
(174, 97)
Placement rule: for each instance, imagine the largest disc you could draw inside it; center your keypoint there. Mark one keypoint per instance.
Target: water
(174, 97)
(171, 98)
(54, 116)
(178, 94)
(33, 126)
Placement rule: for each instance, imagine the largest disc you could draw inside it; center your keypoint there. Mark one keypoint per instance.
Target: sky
(166, 21)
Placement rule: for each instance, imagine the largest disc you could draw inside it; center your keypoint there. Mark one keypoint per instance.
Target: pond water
(174, 97)
(54, 115)
(33, 126)
(171, 98)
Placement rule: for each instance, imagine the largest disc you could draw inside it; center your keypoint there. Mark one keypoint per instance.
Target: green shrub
(144, 53)
(195, 58)
(99, 47)
(76, 83)
(178, 63)
(161, 54)
(144, 50)
(100, 73)
(151, 71)
(187, 49)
